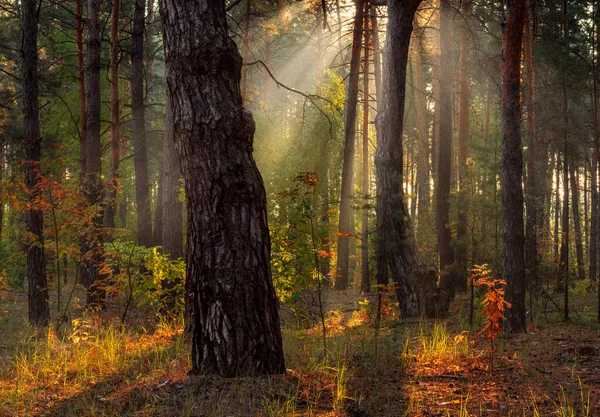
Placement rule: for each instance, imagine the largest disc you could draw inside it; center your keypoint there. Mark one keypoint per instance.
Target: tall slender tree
(39, 311)
(512, 167)
(365, 284)
(235, 321)
(345, 222)
(140, 147)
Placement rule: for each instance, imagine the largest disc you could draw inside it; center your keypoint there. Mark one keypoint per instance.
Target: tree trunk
(395, 239)
(594, 218)
(235, 321)
(423, 142)
(81, 81)
(172, 231)
(531, 188)
(345, 226)
(463, 151)
(444, 167)
(140, 152)
(110, 208)
(1, 190)
(365, 284)
(512, 168)
(93, 245)
(577, 221)
(39, 310)
(246, 50)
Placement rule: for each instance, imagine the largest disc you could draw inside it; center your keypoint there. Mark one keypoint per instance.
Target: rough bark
(463, 151)
(39, 310)
(235, 323)
(345, 226)
(365, 283)
(593, 255)
(512, 168)
(110, 208)
(395, 238)
(140, 151)
(444, 166)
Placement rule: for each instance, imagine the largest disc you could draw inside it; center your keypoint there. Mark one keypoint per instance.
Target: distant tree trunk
(395, 238)
(140, 151)
(110, 208)
(172, 231)
(81, 80)
(512, 168)
(531, 186)
(435, 143)
(577, 221)
(93, 245)
(39, 310)
(556, 239)
(365, 285)
(149, 51)
(444, 167)
(594, 218)
(345, 226)
(423, 142)
(463, 151)
(235, 321)
(376, 53)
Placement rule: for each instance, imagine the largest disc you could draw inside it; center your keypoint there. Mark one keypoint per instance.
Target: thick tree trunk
(577, 221)
(365, 283)
(110, 208)
(444, 167)
(235, 320)
(463, 151)
(512, 168)
(39, 311)
(395, 238)
(140, 151)
(93, 245)
(345, 226)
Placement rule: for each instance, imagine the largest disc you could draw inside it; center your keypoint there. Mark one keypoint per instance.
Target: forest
(349, 208)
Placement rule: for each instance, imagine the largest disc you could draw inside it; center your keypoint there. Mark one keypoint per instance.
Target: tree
(140, 155)
(344, 228)
(396, 247)
(93, 165)
(512, 167)
(365, 284)
(444, 162)
(235, 322)
(39, 310)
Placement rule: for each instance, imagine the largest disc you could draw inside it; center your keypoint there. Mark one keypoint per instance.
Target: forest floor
(95, 367)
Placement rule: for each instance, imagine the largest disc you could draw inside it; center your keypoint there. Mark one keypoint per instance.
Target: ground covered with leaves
(93, 366)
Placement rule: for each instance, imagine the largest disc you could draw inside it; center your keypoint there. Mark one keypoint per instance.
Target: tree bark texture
(39, 311)
(423, 142)
(93, 245)
(512, 168)
(140, 149)
(345, 226)
(235, 323)
(110, 208)
(395, 238)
